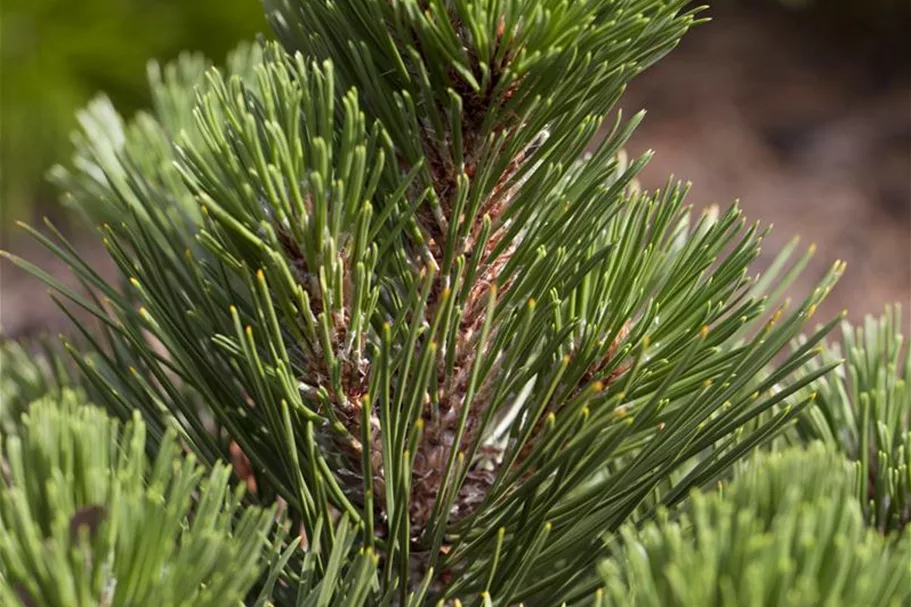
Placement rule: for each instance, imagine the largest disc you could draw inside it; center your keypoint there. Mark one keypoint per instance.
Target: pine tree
(373, 269)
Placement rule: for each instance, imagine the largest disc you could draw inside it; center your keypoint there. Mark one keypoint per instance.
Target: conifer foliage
(863, 409)
(779, 535)
(87, 519)
(372, 269)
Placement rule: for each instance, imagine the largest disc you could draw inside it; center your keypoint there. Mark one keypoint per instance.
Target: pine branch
(382, 280)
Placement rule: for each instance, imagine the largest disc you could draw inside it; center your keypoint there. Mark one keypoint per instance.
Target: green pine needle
(88, 519)
(785, 532)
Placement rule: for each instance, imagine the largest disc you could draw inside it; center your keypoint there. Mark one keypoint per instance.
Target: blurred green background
(56, 54)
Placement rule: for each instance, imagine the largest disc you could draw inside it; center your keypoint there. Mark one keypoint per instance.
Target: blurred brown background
(805, 117)
(802, 113)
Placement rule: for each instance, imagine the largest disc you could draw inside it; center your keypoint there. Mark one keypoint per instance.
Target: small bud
(90, 518)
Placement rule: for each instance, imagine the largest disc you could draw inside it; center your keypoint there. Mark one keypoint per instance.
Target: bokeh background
(801, 109)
